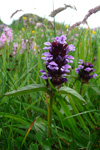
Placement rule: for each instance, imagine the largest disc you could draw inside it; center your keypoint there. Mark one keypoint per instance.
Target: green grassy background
(74, 125)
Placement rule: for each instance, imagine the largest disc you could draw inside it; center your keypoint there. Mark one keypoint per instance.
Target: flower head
(94, 32)
(66, 26)
(24, 18)
(84, 70)
(9, 34)
(56, 60)
(23, 29)
(15, 48)
(33, 31)
(28, 43)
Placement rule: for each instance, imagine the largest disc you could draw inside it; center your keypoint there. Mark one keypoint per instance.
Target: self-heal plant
(56, 61)
(84, 71)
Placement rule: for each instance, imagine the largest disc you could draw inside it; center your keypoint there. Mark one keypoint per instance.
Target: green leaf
(29, 89)
(67, 90)
(39, 137)
(15, 117)
(0, 131)
(95, 88)
(46, 147)
(33, 146)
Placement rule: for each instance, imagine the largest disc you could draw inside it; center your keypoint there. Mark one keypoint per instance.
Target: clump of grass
(23, 118)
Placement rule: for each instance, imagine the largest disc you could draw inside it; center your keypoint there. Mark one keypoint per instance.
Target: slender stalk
(81, 88)
(50, 116)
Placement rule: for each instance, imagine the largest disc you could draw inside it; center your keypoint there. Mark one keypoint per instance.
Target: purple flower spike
(84, 70)
(56, 60)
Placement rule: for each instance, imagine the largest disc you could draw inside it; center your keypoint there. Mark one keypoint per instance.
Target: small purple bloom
(15, 48)
(47, 43)
(77, 70)
(62, 39)
(80, 61)
(45, 48)
(70, 48)
(80, 66)
(27, 44)
(84, 70)
(88, 69)
(94, 75)
(53, 66)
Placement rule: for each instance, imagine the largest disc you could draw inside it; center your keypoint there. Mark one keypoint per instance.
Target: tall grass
(23, 119)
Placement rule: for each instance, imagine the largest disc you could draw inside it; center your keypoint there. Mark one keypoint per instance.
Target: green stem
(50, 116)
(81, 88)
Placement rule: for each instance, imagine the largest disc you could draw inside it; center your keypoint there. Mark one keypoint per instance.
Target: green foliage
(75, 117)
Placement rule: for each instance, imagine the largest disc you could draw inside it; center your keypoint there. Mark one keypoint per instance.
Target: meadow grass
(23, 118)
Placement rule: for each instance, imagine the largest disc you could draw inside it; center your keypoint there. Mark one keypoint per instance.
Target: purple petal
(47, 43)
(80, 61)
(62, 39)
(77, 70)
(80, 66)
(94, 75)
(53, 66)
(53, 63)
(46, 54)
(42, 71)
(65, 68)
(64, 80)
(70, 57)
(70, 61)
(57, 38)
(47, 58)
(70, 48)
(88, 69)
(45, 48)
(45, 75)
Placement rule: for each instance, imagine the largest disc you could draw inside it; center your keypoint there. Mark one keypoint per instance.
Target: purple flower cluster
(15, 48)
(56, 61)
(2, 40)
(84, 70)
(27, 44)
(7, 35)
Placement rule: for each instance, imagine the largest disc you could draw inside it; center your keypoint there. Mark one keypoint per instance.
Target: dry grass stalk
(75, 25)
(90, 12)
(58, 10)
(15, 13)
(52, 25)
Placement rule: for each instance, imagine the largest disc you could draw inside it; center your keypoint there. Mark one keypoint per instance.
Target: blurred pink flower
(15, 48)
(2, 40)
(9, 34)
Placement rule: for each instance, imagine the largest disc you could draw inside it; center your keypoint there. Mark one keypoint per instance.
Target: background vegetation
(23, 119)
